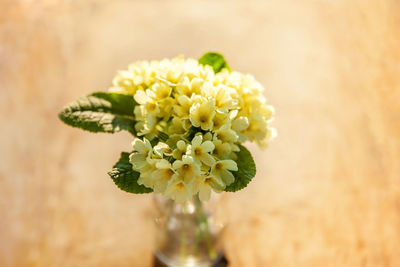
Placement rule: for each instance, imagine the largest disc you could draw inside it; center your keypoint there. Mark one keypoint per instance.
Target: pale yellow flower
(139, 112)
(268, 112)
(226, 134)
(207, 184)
(165, 102)
(148, 127)
(124, 83)
(146, 173)
(176, 126)
(271, 134)
(257, 129)
(183, 105)
(162, 149)
(139, 76)
(221, 150)
(162, 175)
(202, 114)
(178, 190)
(187, 168)
(143, 150)
(145, 98)
(180, 150)
(220, 119)
(221, 170)
(222, 95)
(189, 87)
(193, 69)
(239, 125)
(200, 150)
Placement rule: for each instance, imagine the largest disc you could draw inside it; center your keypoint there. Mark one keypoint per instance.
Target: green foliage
(125, 177)
(101, 112)
(215, 60)
(163, 136)
(246, 170)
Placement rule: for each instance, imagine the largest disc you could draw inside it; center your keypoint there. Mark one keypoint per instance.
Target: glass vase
(187, 234)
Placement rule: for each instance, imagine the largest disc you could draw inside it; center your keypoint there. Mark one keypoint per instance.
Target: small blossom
(184, 103)
(146, 173)
(176, 126)
(220, 119)
(146, 99)
(162, 175)
(221, 150)
(222, 95)
(187, 168)
(178, 190)
(221, 170)
(207, 184)
(257, 129)
(200, 150)
(180, 149)
(143, 149)
(239, 125)
(202, 114)
(226, 134)
(148, 127)
(188, 88)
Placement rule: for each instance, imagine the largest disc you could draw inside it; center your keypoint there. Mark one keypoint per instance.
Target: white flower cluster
(202, 116)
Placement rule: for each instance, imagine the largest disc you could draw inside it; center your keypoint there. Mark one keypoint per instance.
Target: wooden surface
(327, 192)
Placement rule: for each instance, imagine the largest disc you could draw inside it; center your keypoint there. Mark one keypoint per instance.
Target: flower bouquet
(189, 119)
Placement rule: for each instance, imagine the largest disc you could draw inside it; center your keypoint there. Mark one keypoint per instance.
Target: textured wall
(327, 192)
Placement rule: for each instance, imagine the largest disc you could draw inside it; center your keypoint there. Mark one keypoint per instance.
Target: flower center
(185, 166)
(164, 94)
(203, 119)
(180, 186)
(152, 106)
(218, 166)
(197, 151)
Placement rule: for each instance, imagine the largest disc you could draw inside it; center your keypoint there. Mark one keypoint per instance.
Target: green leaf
(163, 136)
(101, 112)
(246, 170)
(125, 177)
(215, 60)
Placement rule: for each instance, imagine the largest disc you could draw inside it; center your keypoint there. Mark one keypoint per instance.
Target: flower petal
(216, 183)
(141, 97)
(208, 146)
(207, 159)
(196, 141)
(229, 165)
(138, 160)
(139, 146)
(163, 164)
(227, 177)
(240, 124)
(181, 145)
(177, 164)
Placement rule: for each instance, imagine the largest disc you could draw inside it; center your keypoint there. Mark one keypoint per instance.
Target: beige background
(327, 192)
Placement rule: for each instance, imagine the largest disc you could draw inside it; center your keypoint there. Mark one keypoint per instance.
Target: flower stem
(183, 236)
(204, 228)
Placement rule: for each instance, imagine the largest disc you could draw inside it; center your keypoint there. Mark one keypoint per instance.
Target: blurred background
(327, 191)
